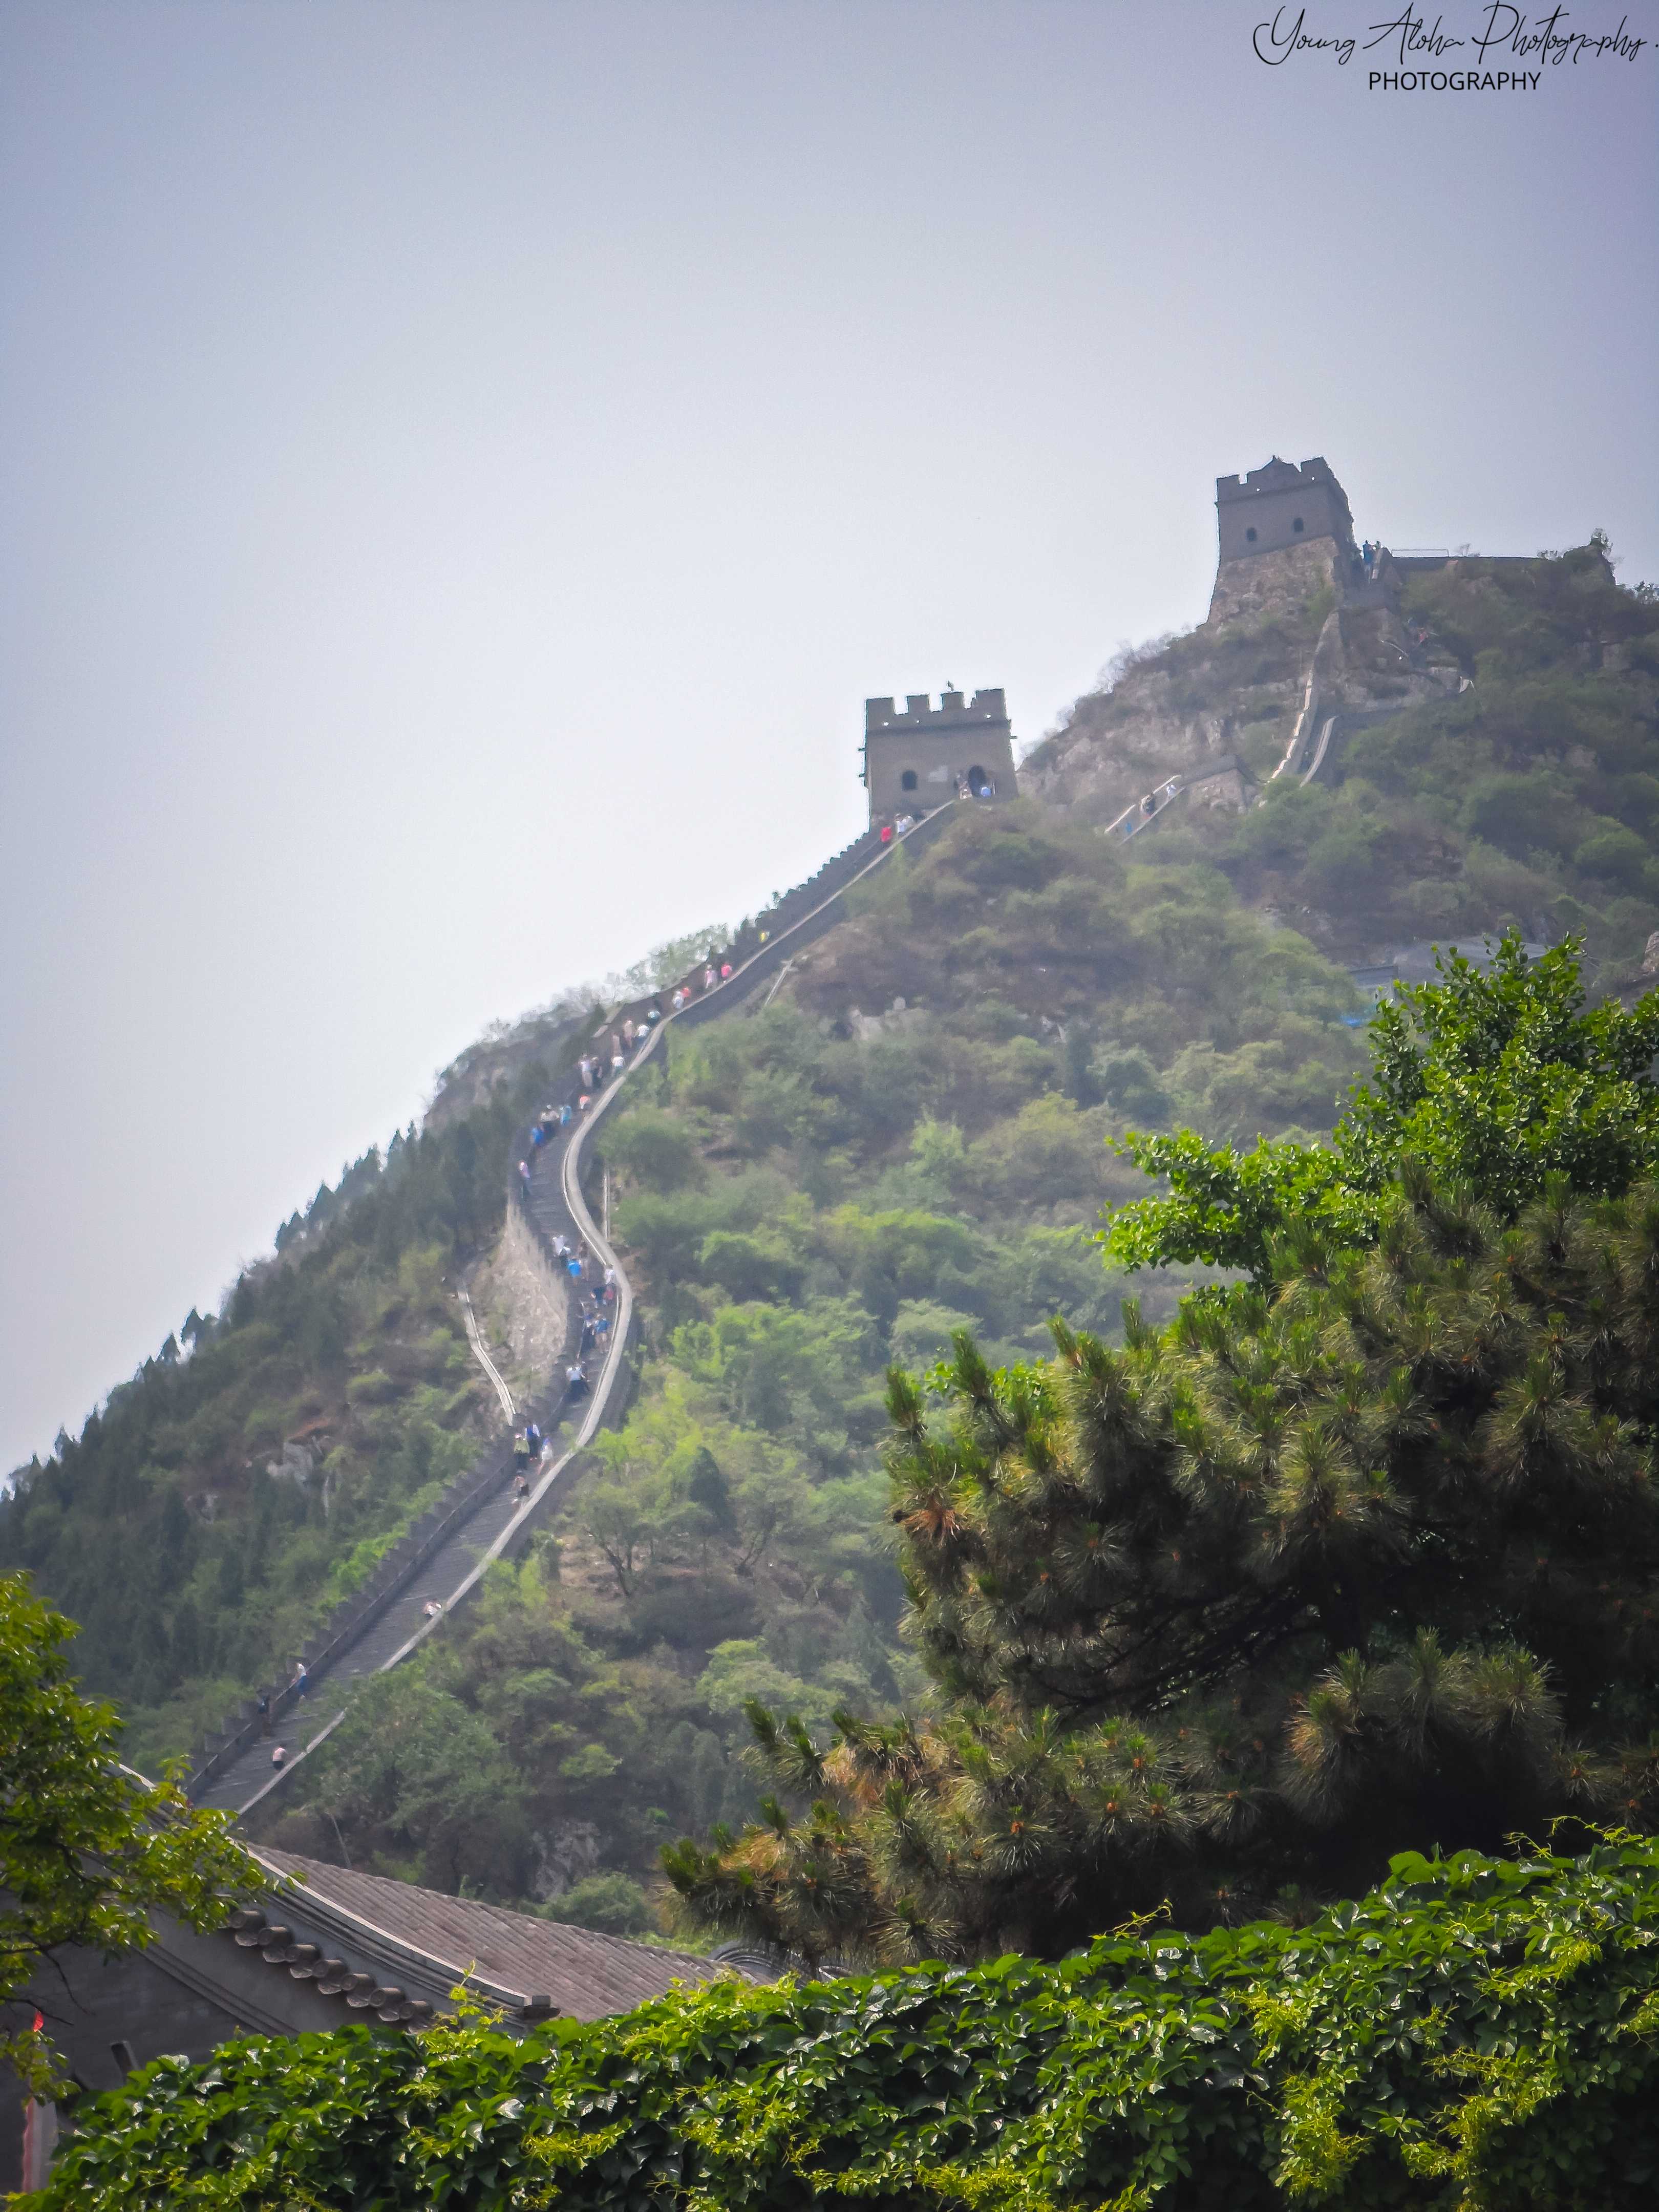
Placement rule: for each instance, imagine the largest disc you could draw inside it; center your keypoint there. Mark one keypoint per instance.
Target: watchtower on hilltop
(916, 760)
(1279, 506)
(1285, 533)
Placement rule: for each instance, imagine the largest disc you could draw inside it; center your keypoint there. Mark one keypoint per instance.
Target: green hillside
(196, 1570)
(914, 1137)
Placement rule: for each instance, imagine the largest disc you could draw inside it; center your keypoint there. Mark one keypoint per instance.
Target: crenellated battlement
(954, 712)
(1277, 476)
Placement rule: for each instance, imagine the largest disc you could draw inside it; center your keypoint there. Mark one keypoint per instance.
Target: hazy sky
(464, 466)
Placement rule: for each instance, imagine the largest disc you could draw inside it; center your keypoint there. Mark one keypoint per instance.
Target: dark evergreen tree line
(190, 1568)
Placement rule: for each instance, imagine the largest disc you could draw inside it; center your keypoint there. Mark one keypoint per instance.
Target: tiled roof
(585, 1975)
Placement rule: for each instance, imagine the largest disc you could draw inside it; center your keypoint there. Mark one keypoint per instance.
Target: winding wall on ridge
(447, 1552)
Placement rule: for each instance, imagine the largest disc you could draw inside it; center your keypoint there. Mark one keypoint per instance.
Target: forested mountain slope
(913, 1136)
(802, 1197)
(241, 1484)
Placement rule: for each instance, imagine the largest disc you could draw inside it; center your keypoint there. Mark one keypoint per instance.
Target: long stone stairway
(240, 1785)
(480, 1521)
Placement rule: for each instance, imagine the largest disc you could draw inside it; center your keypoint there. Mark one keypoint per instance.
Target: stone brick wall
(1274, 583)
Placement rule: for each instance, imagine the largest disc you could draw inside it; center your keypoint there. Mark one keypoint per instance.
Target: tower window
(1250, 537)
(1296, 524)
(907, 781)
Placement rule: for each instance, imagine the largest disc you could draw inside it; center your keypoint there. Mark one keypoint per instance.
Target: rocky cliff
(1292, 635)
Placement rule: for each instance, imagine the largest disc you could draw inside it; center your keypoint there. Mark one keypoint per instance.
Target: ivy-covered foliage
(1479, 2033)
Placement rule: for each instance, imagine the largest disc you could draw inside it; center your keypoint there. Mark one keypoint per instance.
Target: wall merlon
(955, 711)
(1275, 476)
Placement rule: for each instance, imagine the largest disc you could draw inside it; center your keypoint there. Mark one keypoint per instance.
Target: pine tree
(1360, 1557)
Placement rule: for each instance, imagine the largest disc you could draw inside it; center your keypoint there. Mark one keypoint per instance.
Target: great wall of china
(1284, 531)
(443, 1558)
(334, 1944)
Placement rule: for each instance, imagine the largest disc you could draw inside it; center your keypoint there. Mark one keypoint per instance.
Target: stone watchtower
(916, 760)
(1284, 531)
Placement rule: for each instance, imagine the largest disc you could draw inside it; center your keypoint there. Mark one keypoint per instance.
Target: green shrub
(374, 1389)
(1614, 853)
(1522, 814)
(610, 1904)
(1480, 2033)
(655, 1149)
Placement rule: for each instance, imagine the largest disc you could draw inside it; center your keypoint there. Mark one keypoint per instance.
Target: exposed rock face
(524, 1301)
(900, 1015)
(1273, 583)
(1218, 706)
(1192, 712)
(565, 1854)
(297, 1465)
(502, 1053)
(1225, 788)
